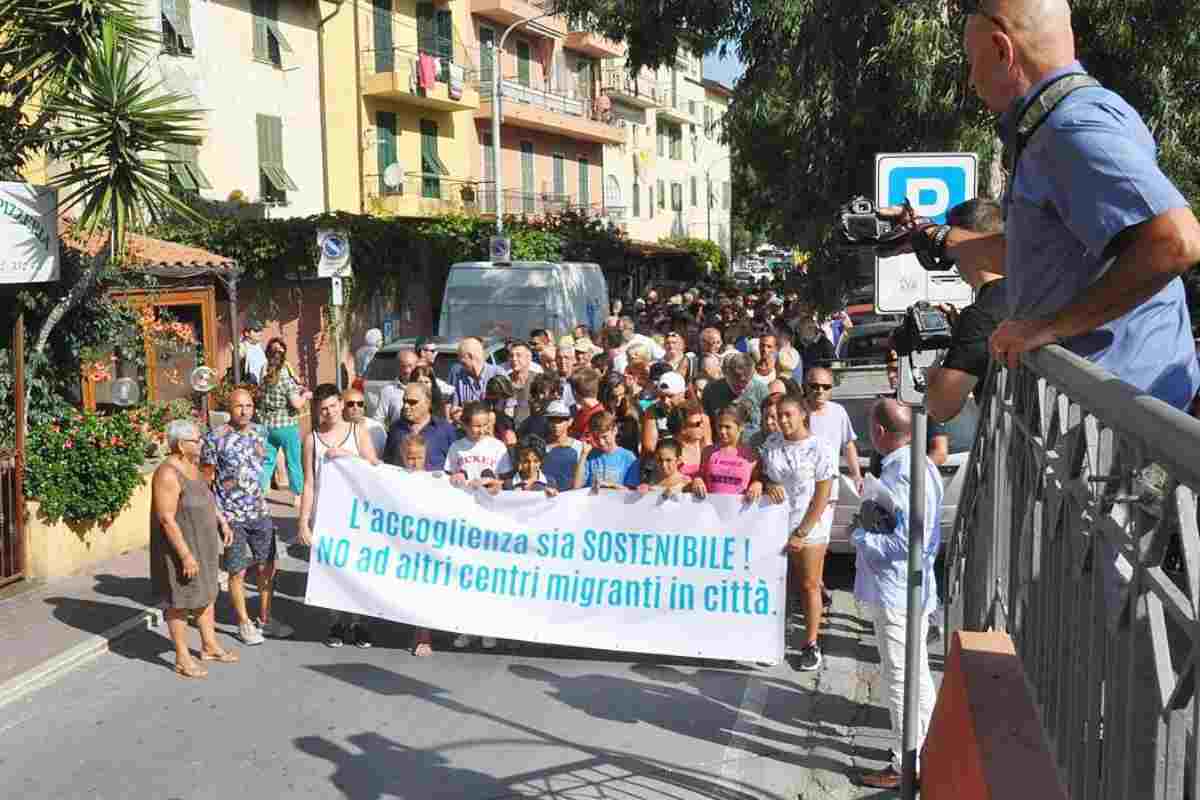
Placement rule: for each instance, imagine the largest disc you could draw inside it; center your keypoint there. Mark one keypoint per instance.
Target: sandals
(223, 657)
(192, 671)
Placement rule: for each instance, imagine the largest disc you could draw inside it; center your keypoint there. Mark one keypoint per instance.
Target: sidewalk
(50, 628)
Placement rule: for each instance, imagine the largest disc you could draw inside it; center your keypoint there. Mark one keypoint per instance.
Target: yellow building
(400, 91)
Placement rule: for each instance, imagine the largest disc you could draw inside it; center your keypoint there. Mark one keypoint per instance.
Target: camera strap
(1038, 109)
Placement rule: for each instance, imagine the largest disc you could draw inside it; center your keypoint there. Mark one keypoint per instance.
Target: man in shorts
(233, 457)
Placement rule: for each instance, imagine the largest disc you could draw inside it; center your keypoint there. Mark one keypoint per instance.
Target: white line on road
(754, 697)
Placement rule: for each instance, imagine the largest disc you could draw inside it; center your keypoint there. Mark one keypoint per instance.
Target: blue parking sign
(933, 183)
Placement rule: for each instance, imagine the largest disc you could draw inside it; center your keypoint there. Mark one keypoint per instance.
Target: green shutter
(662, 195)
(527, 176)
(637, 200)
(445, 36)
(487, 41)
(523, 57)
(431, 165)
(426, 29)
(273, 26)
(385, 146)
(183, 13)
(262, 36)
(385, 55)
(560, 177)
(695, 193)
(585, 193)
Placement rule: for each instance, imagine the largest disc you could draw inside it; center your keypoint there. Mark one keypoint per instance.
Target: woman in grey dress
(186, 532)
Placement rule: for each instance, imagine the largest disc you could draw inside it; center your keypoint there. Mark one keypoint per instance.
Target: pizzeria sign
(29, 246)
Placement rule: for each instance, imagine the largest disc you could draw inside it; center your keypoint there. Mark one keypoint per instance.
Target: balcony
(550, 112)
(506, 12)
(677, 112)
(394, 75)
(638, 91)
(421, 196)
(540, 204)
(594, 45)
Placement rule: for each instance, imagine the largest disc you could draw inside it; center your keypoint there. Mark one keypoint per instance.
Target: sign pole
(916, 606)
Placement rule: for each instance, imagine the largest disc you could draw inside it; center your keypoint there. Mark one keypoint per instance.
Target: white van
(485, 299)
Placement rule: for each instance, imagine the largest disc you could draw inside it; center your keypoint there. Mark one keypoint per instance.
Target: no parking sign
(933, 183)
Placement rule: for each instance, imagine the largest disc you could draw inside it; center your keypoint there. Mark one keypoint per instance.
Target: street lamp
(497, 85)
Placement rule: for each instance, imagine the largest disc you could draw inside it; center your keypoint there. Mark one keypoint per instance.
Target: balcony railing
(1076, 533)
(617, 80)
(421, 195)
(538, 204)
(541, 97)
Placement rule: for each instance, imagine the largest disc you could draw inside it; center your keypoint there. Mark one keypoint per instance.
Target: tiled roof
(718, 87)
(146, 252)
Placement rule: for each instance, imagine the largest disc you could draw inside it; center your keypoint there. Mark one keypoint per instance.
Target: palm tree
(72, 64)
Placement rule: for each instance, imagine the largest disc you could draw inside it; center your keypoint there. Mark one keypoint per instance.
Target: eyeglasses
(355, 403)
(408, 402)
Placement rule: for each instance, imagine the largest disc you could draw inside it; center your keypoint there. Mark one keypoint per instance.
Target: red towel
(426, 71)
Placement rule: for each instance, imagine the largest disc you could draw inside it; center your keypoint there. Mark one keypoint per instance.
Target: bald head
(1013, 44)
(894, 417)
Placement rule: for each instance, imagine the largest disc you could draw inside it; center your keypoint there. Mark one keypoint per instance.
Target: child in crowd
(530, 454)
(478, 459)
(412, 454)
(727, 466)
(606, 466)
(668, 478)
(562, 452)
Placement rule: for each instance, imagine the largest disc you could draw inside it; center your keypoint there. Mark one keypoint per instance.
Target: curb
(90, 648)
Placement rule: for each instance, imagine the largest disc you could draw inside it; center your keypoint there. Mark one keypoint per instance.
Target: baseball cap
(566, 343)
(583, 346)
(557, 409)
(672, 383)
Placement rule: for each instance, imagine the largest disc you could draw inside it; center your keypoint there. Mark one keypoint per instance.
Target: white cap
(672, 383)
(557, 409)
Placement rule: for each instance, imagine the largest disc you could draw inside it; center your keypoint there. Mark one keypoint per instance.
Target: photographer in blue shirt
(1096, 235)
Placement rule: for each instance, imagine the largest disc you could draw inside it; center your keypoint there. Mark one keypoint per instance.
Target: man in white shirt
(630, 336)
(830, 422)
(391, 398)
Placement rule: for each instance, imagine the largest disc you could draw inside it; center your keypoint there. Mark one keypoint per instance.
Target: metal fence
(1077, 535)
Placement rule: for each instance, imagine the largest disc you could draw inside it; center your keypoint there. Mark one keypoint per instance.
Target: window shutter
(262, 36)
(560, 177)
(523, 76)
(694, 192)
(385, 55)
(662, 195)
(527, 176)
(585, 190)
(445, 36)
(183, 23)
(426, 33)
(637, 200)
(191, 159)
(273, 26)
(385, 146)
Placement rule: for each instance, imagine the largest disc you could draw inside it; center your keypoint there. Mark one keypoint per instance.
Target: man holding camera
(1097, 236)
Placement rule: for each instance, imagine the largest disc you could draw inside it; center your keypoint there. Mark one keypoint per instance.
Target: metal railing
(462, 63)
(431, 193)
(618, 79)
(1076, 533)
(539, 204)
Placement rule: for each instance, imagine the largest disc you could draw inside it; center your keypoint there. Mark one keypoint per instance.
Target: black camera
(860, 223)
(925, 327)
(861, 227)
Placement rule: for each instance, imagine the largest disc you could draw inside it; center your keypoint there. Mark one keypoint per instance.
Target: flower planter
(60, 548)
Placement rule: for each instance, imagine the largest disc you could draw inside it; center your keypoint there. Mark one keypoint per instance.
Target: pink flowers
(68, 444)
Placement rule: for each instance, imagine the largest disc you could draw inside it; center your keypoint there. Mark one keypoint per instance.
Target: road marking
(754, 698)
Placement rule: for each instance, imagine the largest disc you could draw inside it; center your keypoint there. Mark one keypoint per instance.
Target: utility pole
(497, 110)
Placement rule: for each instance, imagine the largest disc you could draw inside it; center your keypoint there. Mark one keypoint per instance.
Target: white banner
(613, 571)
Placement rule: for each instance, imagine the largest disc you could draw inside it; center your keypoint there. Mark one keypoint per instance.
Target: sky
(726, 70)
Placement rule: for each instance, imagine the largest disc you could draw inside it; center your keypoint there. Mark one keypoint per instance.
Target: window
(637, 199)
(692, 108)
(523, 59)
(385, 54)
(186, 176)
(725, 195)
(385, 148)
(585, 194)
(527, 177)
(612, 192)
(489, 173)
(560, 176)
(662, 140)
(662, 194)
(432, 168)
(487, 56)
(695, 145)
(695, 193)
(177, 27)
(583, 78)
(650, 200)
(274, 182)
(677, 197)
(269, 44)
(708, 120)
(676, 134)
(435, 36)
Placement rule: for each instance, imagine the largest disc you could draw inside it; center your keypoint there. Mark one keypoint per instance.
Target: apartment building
(251, 66)
(555, 121)
(671, 162)
(401, 91)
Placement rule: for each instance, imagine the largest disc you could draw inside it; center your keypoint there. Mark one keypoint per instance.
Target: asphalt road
(298, 719)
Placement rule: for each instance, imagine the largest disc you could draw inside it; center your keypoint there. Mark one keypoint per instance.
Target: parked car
(382, 369)
(867, 343)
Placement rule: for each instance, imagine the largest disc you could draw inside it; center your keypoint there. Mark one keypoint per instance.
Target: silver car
(383, 367)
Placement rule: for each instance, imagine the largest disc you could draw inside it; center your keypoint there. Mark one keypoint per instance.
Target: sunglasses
(412, 402)
(355, 403)
(820, 387)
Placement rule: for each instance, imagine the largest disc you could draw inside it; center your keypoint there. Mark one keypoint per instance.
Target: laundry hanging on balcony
(427, 70)
(458, 80)
(414, 69)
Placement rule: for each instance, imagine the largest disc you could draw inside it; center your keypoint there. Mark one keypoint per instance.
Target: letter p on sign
(932, 190)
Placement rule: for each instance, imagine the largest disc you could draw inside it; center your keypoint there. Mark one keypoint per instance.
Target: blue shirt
(559, 465)
(438, 436)
(881, 565)
(469, 389)
(619, 467)
(1089, 172)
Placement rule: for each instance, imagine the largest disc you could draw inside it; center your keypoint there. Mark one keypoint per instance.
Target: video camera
(926, 327)
(860, 226)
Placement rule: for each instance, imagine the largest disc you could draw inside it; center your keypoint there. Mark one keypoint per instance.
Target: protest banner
(611, 570)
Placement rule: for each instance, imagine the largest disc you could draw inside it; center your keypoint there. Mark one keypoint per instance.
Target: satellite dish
(393, 176)
(125, 392)
(203, 380)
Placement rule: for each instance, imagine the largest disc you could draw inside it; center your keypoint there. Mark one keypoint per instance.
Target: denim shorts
(253, 543)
